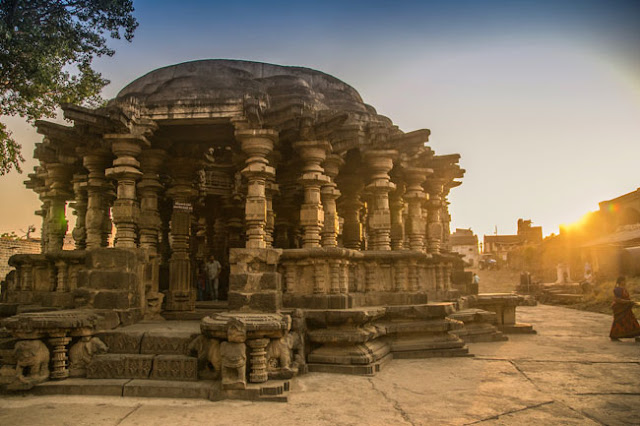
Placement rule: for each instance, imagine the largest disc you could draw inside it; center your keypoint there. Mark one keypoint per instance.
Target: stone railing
(44, 279)
(337, 278)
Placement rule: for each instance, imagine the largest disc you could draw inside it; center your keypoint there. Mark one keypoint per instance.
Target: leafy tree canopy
(46, 50)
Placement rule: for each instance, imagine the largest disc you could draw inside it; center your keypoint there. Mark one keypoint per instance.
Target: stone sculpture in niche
(154, 306)
(209, 358)
(279, 358)
(32, 364)
(234, 357)
(81, 354)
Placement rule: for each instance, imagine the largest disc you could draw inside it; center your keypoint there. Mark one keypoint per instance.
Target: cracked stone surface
(569, 373)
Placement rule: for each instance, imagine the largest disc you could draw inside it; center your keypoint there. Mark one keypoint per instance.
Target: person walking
(625, 324)
(213, 268)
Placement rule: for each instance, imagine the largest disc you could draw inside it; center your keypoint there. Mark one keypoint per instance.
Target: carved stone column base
(181, 300)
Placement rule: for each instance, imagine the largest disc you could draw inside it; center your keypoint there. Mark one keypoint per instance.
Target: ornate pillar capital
(380, 163)
(415, 197)
(313, 154)
(257, 144)
(125, 170)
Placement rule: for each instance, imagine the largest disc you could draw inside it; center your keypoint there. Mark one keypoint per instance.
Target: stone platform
(275, 391)
(479, 326)
(362, 340)
(504, 305)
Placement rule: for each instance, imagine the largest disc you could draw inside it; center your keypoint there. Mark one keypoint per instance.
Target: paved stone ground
(569, 373)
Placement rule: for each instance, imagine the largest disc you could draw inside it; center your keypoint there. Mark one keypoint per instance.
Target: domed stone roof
(231, 82)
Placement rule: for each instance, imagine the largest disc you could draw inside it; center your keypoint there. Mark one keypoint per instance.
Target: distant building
(465, 243)
(500, 245)
(615, 249)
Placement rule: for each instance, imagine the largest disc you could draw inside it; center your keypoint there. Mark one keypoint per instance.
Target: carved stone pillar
(396, 205)
(125, 170)
(319, 278)
(258, 360)
(312, 153)
(334, 276)
(256, 144)
(62, 279)
(36, 182)
(380, 162)
(329, 194)
(434, 227)
(370, 277)
(109, 197)
(350, 205)
(80, 210)
(401, 275)
(149, 188)
(415, 197)
(57, 194)
(181, 296)
(59, 358)
(344, 276)
(413, 275)
(446, 221)
(271, 189)
(439, 270)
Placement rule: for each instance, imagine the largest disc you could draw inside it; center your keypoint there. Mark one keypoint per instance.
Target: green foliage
(601, 296)
(9, 236)
(46, 50)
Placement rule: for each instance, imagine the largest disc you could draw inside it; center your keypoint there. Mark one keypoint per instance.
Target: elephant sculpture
(209, 358)
(32, 364)
(81, 354)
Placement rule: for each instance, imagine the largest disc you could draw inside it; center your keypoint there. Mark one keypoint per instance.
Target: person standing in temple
(625, 324)
(213, 268)
(201, 281)
(476, 282)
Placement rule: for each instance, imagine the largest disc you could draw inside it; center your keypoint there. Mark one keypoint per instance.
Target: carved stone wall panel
(161, 342)
(120, 366)
(174, 367)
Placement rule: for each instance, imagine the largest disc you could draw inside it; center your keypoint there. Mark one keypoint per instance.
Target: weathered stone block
(236, 300)
(111, 258)
(111, 299)
(245, 260)
(169, 389)
(238, 282)
(107, 280)
(129, 316)
(166, 342)
(107, 320)
(270, 301)
(174, 367)
(271, 281)
(120, 366)
(122, 342)
(77, 386)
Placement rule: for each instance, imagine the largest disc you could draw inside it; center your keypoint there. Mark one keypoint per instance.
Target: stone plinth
(255, 283)
(244, 339)
(347, 340)
(479, 326)
(504, 305)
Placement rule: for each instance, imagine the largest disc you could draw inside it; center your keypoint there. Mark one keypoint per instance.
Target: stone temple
(331, 225)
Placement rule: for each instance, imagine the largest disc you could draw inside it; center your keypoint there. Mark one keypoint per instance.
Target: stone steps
(562, 298)
(143, 366)
(274, 390)
(152, 338)
(479, 326)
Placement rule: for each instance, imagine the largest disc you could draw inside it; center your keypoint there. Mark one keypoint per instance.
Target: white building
(465, 242)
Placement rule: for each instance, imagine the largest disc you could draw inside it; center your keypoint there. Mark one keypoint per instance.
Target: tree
(46, 51)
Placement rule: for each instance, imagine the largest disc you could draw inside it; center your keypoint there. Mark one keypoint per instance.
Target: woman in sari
(625, 323)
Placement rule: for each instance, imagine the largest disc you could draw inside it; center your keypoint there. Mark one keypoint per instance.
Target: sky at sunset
(540, 98)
